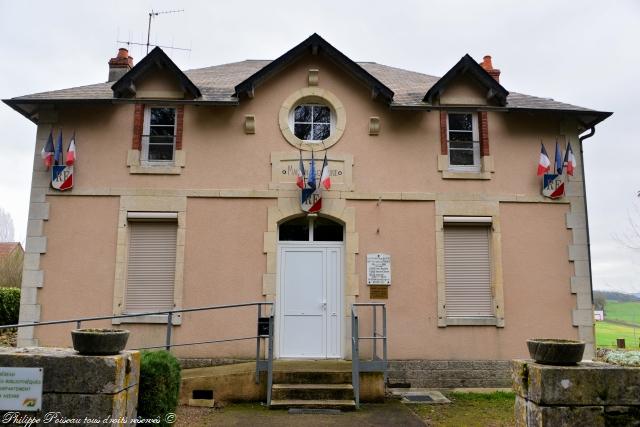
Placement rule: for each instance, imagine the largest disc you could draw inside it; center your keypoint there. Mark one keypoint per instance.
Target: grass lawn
(607, 333)
(625, 311)
(470, 409)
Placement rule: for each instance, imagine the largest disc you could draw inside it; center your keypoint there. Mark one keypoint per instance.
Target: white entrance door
(309, 300)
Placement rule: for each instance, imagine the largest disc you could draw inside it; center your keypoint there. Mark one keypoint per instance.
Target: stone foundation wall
(587, 394)
(449, 373)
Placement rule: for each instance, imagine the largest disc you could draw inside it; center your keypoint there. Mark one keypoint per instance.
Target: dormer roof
(467, 66)
(156, 59)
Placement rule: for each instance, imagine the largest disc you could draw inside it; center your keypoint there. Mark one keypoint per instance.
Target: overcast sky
(585, 53)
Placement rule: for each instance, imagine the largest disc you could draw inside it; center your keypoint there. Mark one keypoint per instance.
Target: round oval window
(312, 122)
(312, 116)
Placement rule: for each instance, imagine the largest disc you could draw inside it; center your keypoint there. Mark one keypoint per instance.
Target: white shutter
(467, 272)
(151, 266)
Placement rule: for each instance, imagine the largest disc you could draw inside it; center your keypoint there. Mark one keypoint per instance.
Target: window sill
(471, 321)
(451, 174)
(485, 173)
(136, 167)
(152, 318)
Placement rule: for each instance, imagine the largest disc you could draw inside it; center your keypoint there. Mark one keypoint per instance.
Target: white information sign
(20, 389)
(378, 269)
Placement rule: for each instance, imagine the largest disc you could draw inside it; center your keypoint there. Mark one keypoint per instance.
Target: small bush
(159, 384)
(9, 305)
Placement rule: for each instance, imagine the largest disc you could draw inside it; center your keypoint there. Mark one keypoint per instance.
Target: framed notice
(378, 269)
(20, 389)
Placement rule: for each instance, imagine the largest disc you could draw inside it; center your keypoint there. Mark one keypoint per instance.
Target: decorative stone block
(314, 77)
(98, 387)
(374, 125)
(249, 124)
(588, 383)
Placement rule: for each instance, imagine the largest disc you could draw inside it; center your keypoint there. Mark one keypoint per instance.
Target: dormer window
(463, 142)
(159, 135)
(312, 122)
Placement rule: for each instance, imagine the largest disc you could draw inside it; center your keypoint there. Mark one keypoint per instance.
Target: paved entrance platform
(391, 413)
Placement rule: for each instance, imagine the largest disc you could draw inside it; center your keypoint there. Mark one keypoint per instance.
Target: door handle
(324, 305)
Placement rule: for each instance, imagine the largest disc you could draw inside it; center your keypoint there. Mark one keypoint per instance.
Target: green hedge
(9, 305)
(159, 385)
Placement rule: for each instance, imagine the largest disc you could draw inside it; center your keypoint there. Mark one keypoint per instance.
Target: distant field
(628, 312)
(607, 333)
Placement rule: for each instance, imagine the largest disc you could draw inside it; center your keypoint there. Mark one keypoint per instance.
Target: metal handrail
(376, 364)
(261, 365)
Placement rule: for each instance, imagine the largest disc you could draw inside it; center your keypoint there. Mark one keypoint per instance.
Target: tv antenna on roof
(153, 14)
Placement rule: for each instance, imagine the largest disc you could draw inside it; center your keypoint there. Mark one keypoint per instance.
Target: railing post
(384, 341)
(355, 357)
(258, 344)
(169, 328)
(270, 359)
(375, 330)
(78, 324)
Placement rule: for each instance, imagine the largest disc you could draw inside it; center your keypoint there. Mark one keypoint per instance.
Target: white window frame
(332, 120)
(144, 157)
(477, 165)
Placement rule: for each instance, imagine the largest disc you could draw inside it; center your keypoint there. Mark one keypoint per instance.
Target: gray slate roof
(217, 85)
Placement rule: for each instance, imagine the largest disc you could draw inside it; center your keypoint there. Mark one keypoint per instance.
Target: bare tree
(6, 226)
(11, 269)
(630, 237)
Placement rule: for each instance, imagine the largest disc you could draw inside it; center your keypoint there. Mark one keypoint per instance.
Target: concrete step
(344, 405)
(312, 392)
(311, 377)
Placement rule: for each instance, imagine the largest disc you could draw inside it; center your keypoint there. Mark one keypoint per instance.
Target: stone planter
(552, 351)
(101, 342)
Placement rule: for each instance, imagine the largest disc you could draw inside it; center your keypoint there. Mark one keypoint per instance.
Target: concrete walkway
(391, 413)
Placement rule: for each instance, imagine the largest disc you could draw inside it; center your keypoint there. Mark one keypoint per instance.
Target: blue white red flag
(325, 178)
(570, 160)
(47, 151)
(312, 199)
(57, 157)
(558, 159)
(62, 177)
(544, 164)
(553, 186)
(71, 151)
(300, 177)
(312, 173)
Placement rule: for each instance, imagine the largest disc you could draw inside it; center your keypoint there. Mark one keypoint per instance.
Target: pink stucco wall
(224, 259)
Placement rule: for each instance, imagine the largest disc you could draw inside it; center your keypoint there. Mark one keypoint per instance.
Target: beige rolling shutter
(467, 271)
(151, 266)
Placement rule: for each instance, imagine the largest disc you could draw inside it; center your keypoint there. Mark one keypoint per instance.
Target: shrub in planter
(159, 384)
(9, 305)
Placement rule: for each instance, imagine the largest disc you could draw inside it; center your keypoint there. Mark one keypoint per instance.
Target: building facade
(185, 194)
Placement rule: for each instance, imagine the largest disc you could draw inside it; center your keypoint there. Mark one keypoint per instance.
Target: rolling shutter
(467, 271)
(151, 266)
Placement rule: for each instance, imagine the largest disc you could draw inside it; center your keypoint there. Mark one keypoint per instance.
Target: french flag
(47, 151)
(71, 151)
(570, 160)
(325, 178)
(544, 164)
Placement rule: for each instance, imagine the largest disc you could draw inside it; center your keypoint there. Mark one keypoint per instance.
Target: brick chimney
(488, 67)
(119, 65)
